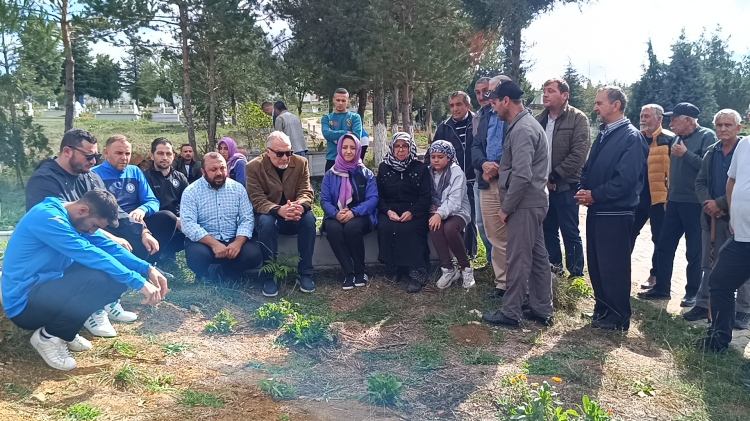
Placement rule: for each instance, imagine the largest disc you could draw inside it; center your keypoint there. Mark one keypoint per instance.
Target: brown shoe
(649, 283)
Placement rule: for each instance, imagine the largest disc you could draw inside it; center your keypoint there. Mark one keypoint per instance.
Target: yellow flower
(534, 384)
(523, 376)
(557, 379)
(512, 380)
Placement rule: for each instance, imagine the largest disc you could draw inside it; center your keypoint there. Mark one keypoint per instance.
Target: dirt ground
(422, 338)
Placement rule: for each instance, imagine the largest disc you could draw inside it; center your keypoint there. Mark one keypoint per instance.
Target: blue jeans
(269, 227)
(480, 223)
(301, 153)
(680, 218)
(562, 216)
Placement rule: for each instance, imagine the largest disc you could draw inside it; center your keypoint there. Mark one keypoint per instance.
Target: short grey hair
(658, 110)
(278, 135)
(482, 79)
(497, 79)
(615, 93)
(729, 111)
(693, 120)
(463, 94)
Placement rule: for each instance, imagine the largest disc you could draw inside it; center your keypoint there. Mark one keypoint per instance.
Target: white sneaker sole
(100, 335)
(456, 276)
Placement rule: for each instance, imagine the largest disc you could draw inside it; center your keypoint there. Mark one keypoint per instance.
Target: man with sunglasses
(68, 177)
(278, 183)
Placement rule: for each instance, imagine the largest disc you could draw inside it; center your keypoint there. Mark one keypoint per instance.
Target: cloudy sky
(606, 40)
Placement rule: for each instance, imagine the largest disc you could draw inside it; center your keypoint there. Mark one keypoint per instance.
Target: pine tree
(650, 87)
(575, 84)
(106, 79)
(723, 72)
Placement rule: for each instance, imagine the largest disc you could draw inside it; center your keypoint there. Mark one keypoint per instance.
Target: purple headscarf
(341, 167)
(232, 153)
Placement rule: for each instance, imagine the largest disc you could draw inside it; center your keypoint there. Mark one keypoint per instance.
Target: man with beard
(68, 177)
(59, 268)
(133, 193)
(611, 182)
(167, 185)
(185, 163)
(217, 219)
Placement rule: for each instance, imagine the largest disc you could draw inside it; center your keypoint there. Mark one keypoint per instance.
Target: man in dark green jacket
(567, 131)
(683, 207)
(710, 187)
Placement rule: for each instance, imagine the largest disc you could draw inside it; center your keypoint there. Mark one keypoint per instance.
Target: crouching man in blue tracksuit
(59, 269)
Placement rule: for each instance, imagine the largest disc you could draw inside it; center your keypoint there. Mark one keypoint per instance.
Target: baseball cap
(684, 108)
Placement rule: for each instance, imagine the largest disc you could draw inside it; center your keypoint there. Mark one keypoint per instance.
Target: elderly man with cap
(683, 213)
(611, 182)
(522, 184)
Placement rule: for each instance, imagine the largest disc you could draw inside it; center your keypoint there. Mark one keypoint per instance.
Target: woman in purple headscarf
(349, 198)
(235, 161)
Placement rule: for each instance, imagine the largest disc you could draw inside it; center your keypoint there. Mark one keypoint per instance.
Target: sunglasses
(280, 154)
(88, 156)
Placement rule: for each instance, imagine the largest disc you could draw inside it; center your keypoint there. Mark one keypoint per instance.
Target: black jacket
(479, 147)
(195, 169)
(168, 190)
(50, 179)
(616, 169)
(447, 131)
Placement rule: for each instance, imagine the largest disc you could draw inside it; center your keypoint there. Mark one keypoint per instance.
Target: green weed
(384, 389)
(273, 315)
(282, 268)
(123, 348)
(643, 388)
(277, 389)
(479, 356)
(15, 389)
(173, 348)
(192, 397)
(160, 383)
(283, 417)
(581, 353)
(307, 330)
(568, 292)
(371, 312)
(426, 356)
(222, 322)
(543, 364)
(81, 412)
(127, 376)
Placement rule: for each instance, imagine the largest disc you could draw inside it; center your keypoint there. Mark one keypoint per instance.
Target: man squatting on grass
(59, 268)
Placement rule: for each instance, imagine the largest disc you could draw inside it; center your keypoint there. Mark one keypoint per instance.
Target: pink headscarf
(232, 153)
(341, 167)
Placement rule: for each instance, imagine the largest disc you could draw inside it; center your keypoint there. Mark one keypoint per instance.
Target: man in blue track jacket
(58, 269)
(130, 187)
(610, 186)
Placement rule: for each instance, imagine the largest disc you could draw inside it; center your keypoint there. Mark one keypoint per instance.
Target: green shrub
(147, 115)
(282, 268)
(252, 119)
(567, 292)
(384, 389)
(273, 315)
(81, 412)
(307, 330)
(222, 322)
(277, 389)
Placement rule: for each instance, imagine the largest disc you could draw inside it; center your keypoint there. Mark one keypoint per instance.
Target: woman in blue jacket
(349, 198)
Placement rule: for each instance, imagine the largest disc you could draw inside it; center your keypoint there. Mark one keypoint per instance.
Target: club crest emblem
(176, 183)
(349, 122)
(130, 188)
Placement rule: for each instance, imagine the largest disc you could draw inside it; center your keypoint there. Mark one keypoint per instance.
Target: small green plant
(283, 267)
(307, 330)
(426, 356)
(567, 292)
(384, 389)
(222, 322)
(81, 411)
(277, 389)
(541, 405)
(273, 315)
(480, 356)
(542, 364)
(191, 397)
(592, 411)
(283, 417)
(15, 389)
(160, 383)
(123, 348)
(643, 388)
(579, 286)
(127, 376)
(173, 348)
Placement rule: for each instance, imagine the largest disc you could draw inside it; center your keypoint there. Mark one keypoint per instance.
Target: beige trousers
(495, 230)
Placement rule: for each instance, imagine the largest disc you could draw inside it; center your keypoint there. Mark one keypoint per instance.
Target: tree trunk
(300, 100)
(362, 105)
(212, 88)
(186, 106)
(428, 115)
(515, 56)
(407, 118)
(234, 109)
(380, 134)
(70, 91)
(394, 109)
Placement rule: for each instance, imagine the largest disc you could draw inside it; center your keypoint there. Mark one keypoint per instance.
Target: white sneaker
(78, 344)
(449, 275)
(468, 275)
(116, 313)
(98, 325)
(54, 351)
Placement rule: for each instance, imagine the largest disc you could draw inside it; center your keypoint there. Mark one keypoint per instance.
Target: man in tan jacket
(278, 183)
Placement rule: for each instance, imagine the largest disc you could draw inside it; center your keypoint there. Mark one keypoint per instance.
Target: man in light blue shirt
(217, 219)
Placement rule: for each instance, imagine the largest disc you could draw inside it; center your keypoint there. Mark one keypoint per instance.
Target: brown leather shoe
(649, 283)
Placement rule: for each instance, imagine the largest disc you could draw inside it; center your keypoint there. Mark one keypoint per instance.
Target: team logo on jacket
(175, 183)
(130, 188)
(349, 122)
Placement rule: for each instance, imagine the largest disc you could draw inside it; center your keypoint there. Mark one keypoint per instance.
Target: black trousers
(680, 218)
(608, 253)
(656, 214)
(364, 152)
(347, 242)
(200, 256)
(162, 225)
(731, 271)
(62, 305)
(470, 230)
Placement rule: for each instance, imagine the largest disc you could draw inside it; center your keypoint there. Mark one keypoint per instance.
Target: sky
(606, 39)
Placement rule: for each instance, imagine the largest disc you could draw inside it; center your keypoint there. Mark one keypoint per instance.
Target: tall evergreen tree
(575, 83)
(649, 89)
(106, 79)
(724, 73)
(84, 66)
(39, 58)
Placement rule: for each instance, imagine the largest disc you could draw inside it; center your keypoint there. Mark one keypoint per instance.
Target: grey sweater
(292, 126)
(524, 166)
(683, 170)
(454, 200)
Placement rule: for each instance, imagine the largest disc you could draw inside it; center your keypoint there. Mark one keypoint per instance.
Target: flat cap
(684, 108)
